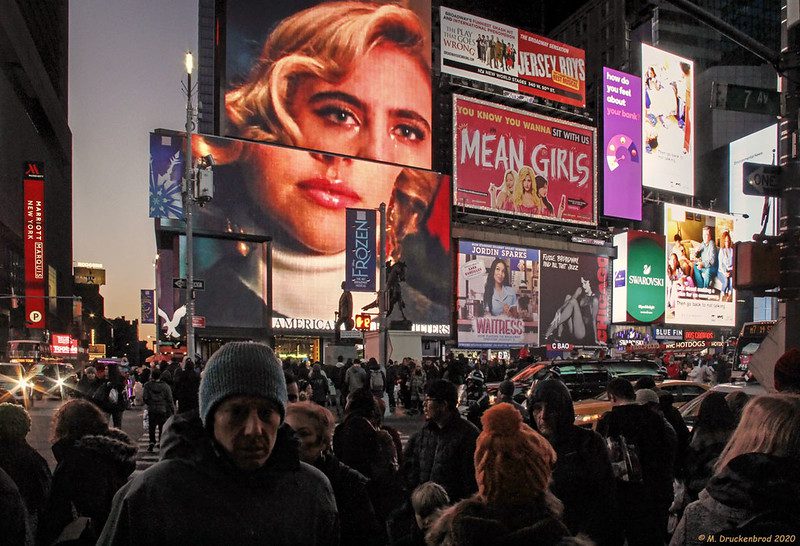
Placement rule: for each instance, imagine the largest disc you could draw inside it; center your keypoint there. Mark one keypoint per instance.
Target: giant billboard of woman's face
(350, 78)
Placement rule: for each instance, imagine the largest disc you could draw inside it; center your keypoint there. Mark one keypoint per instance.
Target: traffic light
(363, 322)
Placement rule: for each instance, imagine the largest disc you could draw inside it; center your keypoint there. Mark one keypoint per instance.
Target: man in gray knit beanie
(231, 472)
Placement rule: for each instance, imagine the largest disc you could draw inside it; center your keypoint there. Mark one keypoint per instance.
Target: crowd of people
(255, 455)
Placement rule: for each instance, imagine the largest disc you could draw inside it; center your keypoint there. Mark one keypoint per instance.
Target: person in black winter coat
(14, 528)
(117, 383)
(582, 477)
(26, 467)
(187, 388)
(712, 430)
(313, 427)
(94, 461)
(675, 419)
(158, 399)
(644, 501)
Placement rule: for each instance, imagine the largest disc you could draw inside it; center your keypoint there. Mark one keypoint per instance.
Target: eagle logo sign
(171, 324)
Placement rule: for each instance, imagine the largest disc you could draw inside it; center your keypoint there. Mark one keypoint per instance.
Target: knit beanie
(241, 368)
(513, 463)
(787, 371)
(15, 423)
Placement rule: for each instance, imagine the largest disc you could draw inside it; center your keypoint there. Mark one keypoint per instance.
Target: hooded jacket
(196, 495)
(755, 492)
(582, 477)
(88, 474)
(158, 397)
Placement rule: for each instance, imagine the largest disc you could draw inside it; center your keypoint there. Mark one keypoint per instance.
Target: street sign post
(197, 284)
(761, 180)
(741, 98)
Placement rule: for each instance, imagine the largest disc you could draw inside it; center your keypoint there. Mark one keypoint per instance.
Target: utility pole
(188, 206)
(787, 64)
(384, 327)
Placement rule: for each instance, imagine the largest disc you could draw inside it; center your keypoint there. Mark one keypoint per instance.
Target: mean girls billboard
(497, 296)
(510, 59)
(699, 283)
(513, 162)
(351, 78)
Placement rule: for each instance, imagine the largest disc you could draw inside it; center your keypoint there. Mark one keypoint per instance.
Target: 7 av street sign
(197, 284)
(761, 180)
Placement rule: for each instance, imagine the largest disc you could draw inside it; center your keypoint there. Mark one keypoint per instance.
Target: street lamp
(198, 187)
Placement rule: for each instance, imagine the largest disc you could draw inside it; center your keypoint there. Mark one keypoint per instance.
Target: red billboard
(514, 162)
(33, 214)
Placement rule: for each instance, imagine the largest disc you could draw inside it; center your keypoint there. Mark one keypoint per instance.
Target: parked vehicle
(588, 412)
(690, 410)
(15, 385)
(748, 342)
(54, 379)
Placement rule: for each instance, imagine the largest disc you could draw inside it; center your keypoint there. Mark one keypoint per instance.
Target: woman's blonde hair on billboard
(322, 41)
(519, 190)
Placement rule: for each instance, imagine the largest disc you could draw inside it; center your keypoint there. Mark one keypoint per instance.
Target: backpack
(625, 460)
(377, 383)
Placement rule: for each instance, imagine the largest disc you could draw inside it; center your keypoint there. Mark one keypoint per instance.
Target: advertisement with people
(667, 91)
(513, 162)
(299, 199)
(511, 59)
(699, 260)
(575, 303)
(639, 274)
(497, 296)
(622, 142)
(351, 78)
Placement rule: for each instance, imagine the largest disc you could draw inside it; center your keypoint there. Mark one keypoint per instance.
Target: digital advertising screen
(497, 295)
(759, 147)
(622, 142)
(639, 277)
(511, 60)
(352, 78)
(699, 260)
(667, 125)
(575, 299)
(510, 161)
(299, 199)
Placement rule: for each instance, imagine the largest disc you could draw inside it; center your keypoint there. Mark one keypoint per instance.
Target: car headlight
(587, 418)
(59, 382)
(24, 383)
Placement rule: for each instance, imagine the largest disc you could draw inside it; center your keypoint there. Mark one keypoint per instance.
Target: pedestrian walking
(319, 385)
(232, 473)
(355, 378)
(513, 467)
(160, 406)
(187, 388)
(93, 462)
(756, 484)
(23, 464)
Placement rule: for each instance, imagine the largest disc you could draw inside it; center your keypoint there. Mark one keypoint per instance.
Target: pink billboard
(514, 162)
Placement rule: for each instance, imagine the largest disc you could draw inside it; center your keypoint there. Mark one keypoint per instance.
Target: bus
(748, 342)
(27, 351)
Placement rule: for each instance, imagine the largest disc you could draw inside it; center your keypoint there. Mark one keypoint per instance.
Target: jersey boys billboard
(498, 295)
(511, 59)
(622, 142)
(699, 262)
(514, 162)
(638, 277)
(667, 127)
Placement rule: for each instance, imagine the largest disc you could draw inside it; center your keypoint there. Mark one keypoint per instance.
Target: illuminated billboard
(33, 225)
(667, 127)
(639, 277)
(351, 78)
(759, 147)
(511, 60)
(699, 260)
(497, 295)
(299, 199)
(622, 142)
(513, 162)
(575, 303)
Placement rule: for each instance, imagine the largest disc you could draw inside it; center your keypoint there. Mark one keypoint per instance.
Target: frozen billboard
(667, 126)
(622, 142)
(759, 147)
(510, 161)
(497, 295)
(699, 267)
(511, 60)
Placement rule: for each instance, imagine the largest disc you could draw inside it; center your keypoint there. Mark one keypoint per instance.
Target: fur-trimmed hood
(473, 522)
(114, 445)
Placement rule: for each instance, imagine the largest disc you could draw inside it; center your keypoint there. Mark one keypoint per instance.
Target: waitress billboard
(513, 162)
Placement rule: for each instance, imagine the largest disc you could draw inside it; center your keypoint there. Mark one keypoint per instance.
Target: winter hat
(787, 371)
(441, 389)
(242, 368)
(506, 388)
(15, 423)
(646, 396)
(513, 463)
